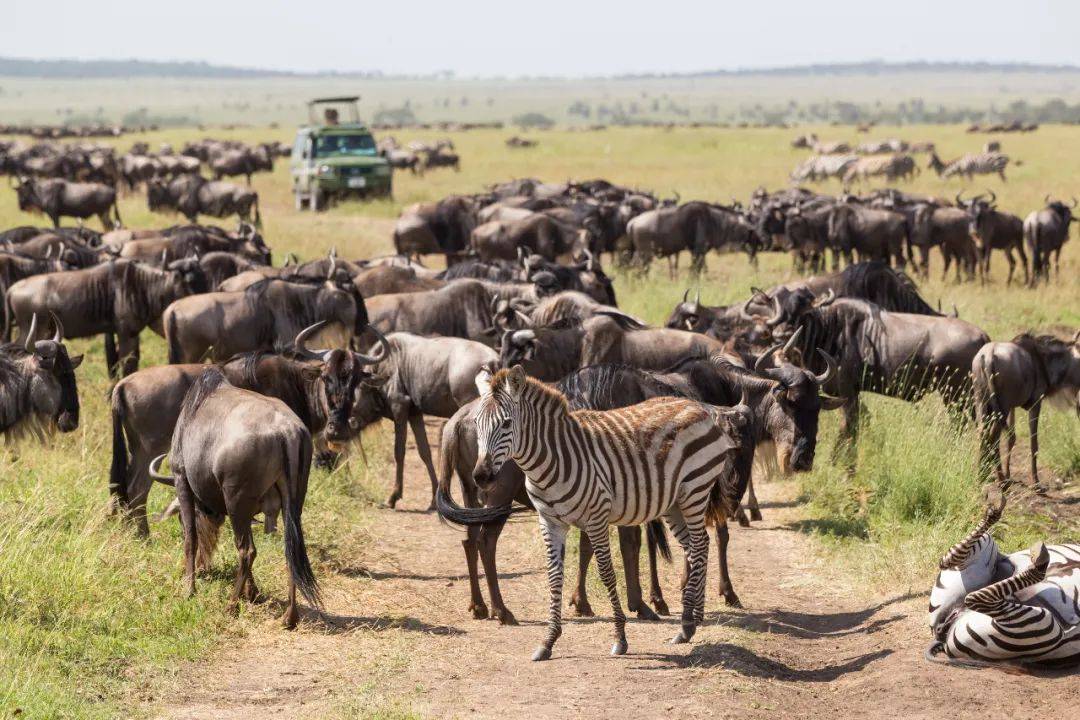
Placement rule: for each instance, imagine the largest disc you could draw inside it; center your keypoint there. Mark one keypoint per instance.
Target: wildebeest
(1021, 374)
(874, 234)
(390, 279)
(970, 165)
(694, 226)
(181, 242)
(58, 198)
(947, 228)
(901, 355)
(242, 161)
(538, 232)
(117, 298)
(432, 228)
(37, 384)
(194, 195)
(419, 376)
(995, 230)
(461, 309)
(146, 404)
(1045, 232)
(403, 159)
(230, 448)
(265, 316)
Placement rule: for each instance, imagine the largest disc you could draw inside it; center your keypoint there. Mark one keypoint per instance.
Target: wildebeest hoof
(392, 501)
(731, 599)
(1040, 489)
(741, 517)
(645, 613)
(479, 611)
(661, 606)
(755, 514)
(290, 618)
(233, 608)
(505, 617)
(326, 460)
(541, 653)
(582, 608)
(619, 647)
(431, 508)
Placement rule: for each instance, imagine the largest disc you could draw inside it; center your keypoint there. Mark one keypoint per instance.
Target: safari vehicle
(332, 160)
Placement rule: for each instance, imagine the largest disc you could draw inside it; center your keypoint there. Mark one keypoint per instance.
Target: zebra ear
(483, 381)
(515, 381)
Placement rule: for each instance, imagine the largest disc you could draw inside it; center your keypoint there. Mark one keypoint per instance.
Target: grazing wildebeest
(58, 198)
(1021, 374)
(194, 195)
(517, 416)
(117, 298)
(265, 316)
(970, 165)
(896, 354)
(146, 404)
(995, 230)
(694, 226)
(948, 228)
(37, 384)
(1045, 232)
(241, 161)
(419, 376)
(230, 448)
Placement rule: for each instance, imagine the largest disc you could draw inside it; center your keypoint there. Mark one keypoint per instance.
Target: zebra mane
(531, 384)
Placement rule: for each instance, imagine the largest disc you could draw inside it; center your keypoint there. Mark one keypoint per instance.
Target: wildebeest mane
(14, 390)
(479, 270)
(880, 284)
(610, 386)
(212, 378)
(1046, 351)
(142, 292)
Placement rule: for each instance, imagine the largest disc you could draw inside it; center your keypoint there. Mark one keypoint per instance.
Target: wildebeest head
(53, 394)
(979, 210)
(26, 191)
(792, 419)
(253, 244)
(517, 347)
(158, 197)
(190, 274)
(689, 315)
(350, 389)
(508, 314)
(1065, 212)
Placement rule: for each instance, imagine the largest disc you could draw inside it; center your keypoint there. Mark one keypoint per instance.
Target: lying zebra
(1023, 607)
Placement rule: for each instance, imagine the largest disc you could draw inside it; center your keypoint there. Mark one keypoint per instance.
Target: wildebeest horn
(993, 196)
(58, 336)
(332, 270)
(48, 252)
(790, 344)
(686, 295)
(28, 344)
(589, 259)
(333, 251)
(745, 309)
(1076, 338)
(164, 256)
(300, 343)
(155, 471)
(290, 259)
(760, 363)
(374, 359)
(495, 302)
(777, 316)
(1073, 203)
(830, 368)
(826, 299)
(958, 200)
(1046, 200)
(697, 297)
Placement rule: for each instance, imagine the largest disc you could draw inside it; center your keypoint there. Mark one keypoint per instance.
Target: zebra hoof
(619, 647)
(541, 653)
(684, 635)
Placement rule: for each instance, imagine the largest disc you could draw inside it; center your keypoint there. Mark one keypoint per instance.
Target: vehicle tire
(318, 200)
(299, 200)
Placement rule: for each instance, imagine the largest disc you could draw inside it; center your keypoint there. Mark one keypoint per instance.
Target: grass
(92, 623)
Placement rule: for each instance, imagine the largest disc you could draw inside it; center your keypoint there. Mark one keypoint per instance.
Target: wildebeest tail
(118, 471)
(656, 535)
(171, 338)
(258, 217)
(116, 213)
(298, 466)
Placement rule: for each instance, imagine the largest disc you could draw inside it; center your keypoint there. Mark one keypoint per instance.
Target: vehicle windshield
(335, 144)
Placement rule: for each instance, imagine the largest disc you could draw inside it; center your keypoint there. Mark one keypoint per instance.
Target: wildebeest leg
(1057, 264)
(1033, 429)
(1012, 266)
(726, 590)
(400, 421)
(55, 220)
(245, 553)
(580, 599)
(630, 548)
(656, 595)
(1010, 442)
(423, 449)
(489, 540)
(1028, 279)
(138, 488)
(111, 358)
(187, 522)
(471, 545)
(129, 353)
(947, 258)
(751, 501)
(846, 439)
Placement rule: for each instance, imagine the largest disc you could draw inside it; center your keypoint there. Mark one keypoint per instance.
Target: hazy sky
(555, 37)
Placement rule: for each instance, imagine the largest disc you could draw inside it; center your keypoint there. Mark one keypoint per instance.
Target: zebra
(1025, 607)
(985, 163)
(665, 457)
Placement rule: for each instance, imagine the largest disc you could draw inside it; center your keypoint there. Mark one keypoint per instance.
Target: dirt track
(400, 637)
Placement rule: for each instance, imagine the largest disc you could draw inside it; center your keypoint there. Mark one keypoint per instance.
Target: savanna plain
(834, 581)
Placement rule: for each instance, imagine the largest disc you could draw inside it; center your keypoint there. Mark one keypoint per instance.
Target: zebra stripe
(591, 469)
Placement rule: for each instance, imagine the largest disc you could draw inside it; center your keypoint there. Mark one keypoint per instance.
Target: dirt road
(400, 640)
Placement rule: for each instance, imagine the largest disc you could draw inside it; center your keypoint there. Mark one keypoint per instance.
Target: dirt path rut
(401, 639)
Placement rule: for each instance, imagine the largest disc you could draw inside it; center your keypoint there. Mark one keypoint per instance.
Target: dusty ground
(399, 640)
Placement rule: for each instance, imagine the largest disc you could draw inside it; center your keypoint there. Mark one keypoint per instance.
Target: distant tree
(531, 120)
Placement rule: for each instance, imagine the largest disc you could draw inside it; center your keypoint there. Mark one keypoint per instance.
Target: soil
(400, 638)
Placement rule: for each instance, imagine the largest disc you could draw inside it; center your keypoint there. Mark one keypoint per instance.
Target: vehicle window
(345, 145)
(299, 146)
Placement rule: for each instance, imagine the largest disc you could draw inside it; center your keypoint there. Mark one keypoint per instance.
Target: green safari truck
(333, 159)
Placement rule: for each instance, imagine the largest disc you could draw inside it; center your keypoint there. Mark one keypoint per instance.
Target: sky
(552, 37)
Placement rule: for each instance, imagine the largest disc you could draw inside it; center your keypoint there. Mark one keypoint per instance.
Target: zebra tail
(656, 534)
(935, 653)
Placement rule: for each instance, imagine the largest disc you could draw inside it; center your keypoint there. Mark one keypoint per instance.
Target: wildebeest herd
(553, 396)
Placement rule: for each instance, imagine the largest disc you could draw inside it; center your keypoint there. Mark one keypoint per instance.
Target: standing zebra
(590, 469)
(986, 606)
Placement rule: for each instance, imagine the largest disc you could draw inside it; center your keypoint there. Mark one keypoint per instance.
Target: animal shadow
(815, 625)
(749, 664)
